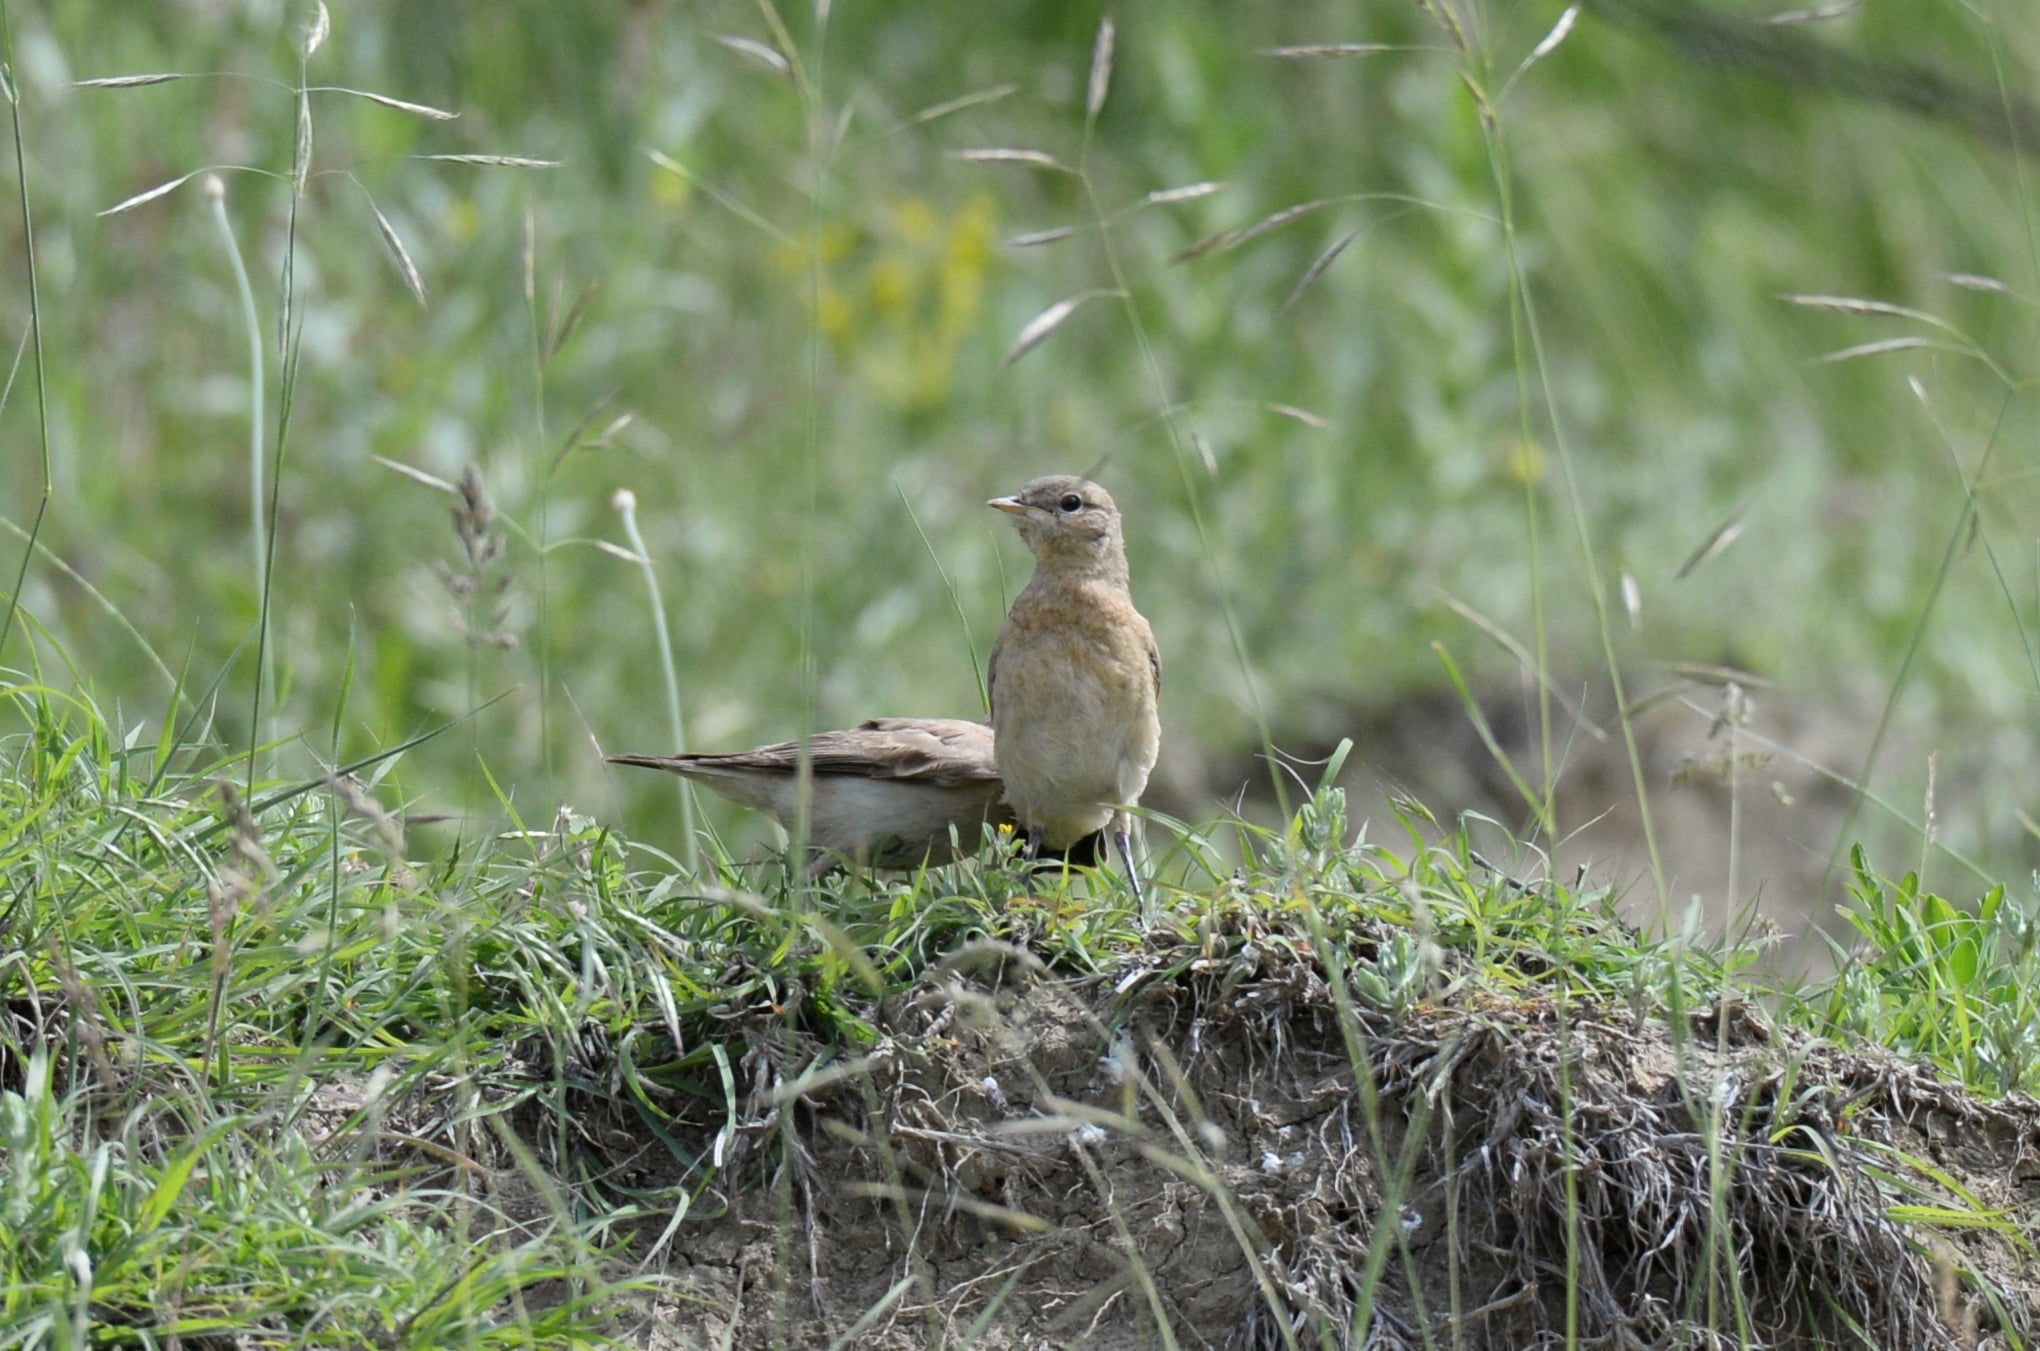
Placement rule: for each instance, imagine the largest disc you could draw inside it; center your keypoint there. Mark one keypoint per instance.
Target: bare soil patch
(1767, 770)
(1212, 1150)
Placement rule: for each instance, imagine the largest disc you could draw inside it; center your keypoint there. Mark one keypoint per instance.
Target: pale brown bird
(886, 792)
(1074, 678)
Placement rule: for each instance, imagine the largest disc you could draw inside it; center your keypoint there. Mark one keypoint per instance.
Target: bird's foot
(1123, 838)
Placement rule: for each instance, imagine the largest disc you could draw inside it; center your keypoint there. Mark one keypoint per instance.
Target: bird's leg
(1123, 837)
(1033, 842)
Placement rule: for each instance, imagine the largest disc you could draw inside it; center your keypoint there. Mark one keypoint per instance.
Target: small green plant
(1958, 986)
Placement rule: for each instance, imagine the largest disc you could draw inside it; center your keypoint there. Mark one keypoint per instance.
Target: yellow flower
(671, 190)
(1526, 461)
(829, 245)
(891, 282)
(970, 243)
(462, 221)
(915, 221)
(832, 312)
(900, 292)
(965, 259)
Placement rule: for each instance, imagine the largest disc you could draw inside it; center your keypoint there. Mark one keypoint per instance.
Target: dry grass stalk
(474, 522)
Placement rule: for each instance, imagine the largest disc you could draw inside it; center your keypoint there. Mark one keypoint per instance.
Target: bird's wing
(944, 751)
(1155, 663)
(670, 763)
(783, 755)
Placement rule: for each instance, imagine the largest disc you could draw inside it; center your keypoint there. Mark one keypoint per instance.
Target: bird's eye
(1071, 503)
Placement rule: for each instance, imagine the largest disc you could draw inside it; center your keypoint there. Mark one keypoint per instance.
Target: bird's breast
(1074, 720)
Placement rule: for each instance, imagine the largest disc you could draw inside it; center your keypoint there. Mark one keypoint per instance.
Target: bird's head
(1067, 521)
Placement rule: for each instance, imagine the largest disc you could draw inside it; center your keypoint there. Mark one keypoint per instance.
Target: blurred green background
(800, 295)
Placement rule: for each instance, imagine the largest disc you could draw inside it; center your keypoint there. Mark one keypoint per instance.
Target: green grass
(266, 1073)
(1953, 984)
(1443, 368)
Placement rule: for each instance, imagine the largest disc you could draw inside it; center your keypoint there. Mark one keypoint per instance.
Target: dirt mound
(1226, 1152)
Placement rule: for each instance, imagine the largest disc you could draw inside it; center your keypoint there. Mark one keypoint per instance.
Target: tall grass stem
(216, 193)
(538, 345)
(625, 502)
(12, 92)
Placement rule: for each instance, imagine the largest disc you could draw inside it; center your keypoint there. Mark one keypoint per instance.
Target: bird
(1074, 679)
(887, 792)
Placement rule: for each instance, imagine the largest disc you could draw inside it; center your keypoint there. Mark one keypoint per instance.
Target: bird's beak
(1012, 506)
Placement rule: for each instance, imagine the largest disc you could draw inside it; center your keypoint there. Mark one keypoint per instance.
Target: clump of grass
(503, 1066)
(200, 1121)
(1317, 1070)
(1958, 985)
